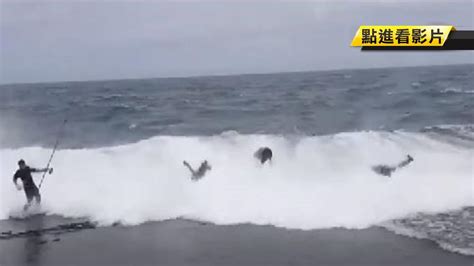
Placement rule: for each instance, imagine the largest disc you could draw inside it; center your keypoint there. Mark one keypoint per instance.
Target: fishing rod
(60, 134)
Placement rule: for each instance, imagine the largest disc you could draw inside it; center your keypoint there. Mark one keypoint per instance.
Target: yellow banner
(375, 35)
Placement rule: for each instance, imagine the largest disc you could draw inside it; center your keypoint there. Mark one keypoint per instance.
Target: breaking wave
(313, 182)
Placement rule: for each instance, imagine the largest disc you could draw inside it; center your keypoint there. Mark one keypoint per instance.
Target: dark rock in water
(56, 239)
(56, 230)
(116, 224)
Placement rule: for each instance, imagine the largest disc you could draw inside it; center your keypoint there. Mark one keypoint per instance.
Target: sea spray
(313, 182)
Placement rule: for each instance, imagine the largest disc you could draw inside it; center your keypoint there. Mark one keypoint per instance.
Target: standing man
(31, 190)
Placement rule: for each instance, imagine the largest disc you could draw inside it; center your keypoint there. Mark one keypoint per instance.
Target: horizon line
(227, 75)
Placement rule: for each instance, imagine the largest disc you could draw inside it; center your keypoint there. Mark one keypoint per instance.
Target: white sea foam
(445, 244)
(313, 182)
(416, 84)
(456, 90)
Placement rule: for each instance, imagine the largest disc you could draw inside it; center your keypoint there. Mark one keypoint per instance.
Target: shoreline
(184, 242)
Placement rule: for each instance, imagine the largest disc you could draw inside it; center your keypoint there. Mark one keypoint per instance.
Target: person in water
(201, 171)
(31, 190)
(264, 154)
(388, 170)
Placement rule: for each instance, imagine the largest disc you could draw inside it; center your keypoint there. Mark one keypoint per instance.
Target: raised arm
(189, 167)
(405, 162)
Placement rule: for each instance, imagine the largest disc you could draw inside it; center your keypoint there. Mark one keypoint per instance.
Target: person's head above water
(21, 163)
(264, 154)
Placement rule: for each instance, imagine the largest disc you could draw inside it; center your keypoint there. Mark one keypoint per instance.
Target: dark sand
(190, 243)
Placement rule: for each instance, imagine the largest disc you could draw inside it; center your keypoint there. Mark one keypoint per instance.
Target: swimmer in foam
(388, 170)
(201, 171)
(264, 154)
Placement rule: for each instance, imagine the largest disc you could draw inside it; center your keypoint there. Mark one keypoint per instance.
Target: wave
(313, 182)
(457, 133)
(455, 90)
(453, 231)
(419, 235)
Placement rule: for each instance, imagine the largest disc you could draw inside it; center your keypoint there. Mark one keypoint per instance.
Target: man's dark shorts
(32, 192)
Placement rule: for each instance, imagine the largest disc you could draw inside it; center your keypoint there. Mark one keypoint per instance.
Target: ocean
(120, 159)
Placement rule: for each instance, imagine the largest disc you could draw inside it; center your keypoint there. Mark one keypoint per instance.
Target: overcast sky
(93, 40)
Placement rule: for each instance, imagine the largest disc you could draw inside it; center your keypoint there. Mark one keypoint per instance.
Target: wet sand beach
(182, 242)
